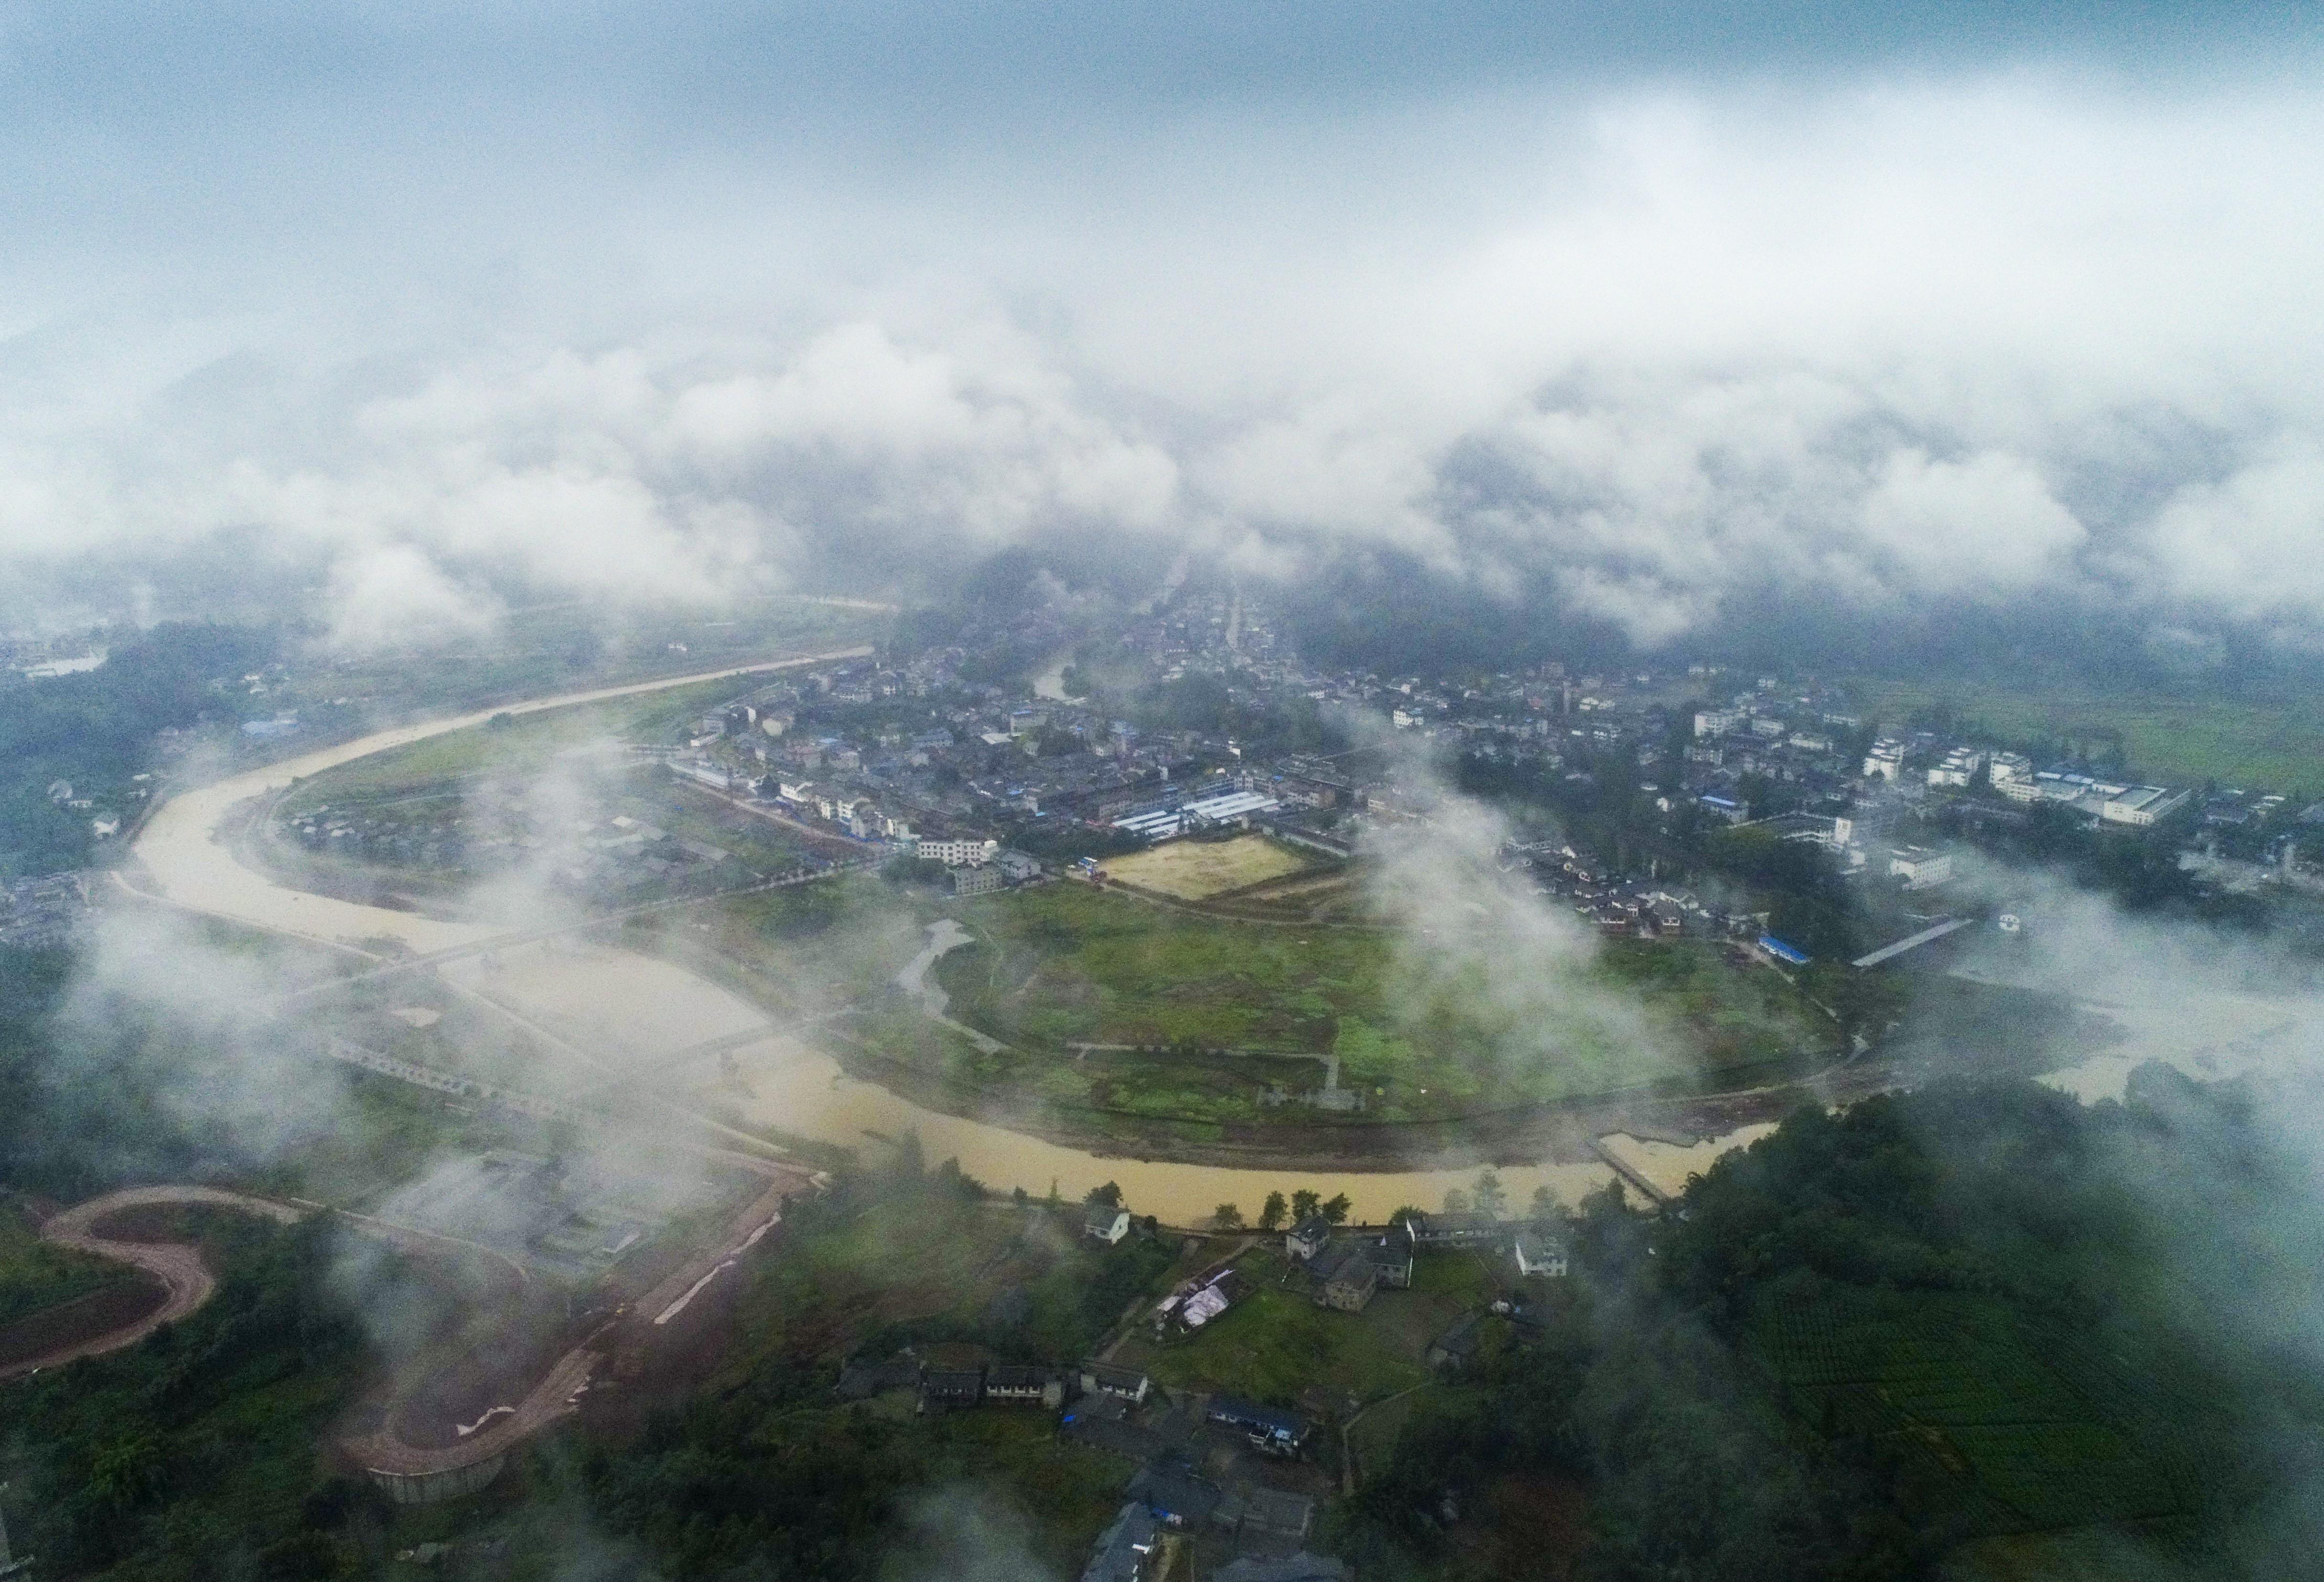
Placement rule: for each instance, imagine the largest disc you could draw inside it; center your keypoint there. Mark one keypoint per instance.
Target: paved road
(178, 1265)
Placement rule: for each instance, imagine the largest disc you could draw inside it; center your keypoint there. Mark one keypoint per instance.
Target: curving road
(178, 1265)
(558, 1394)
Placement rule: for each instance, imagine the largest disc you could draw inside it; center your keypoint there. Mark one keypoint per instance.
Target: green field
(1129, 1013)
(2041, 1433)
(2272, 744)
(34, 1276)
(1215, 1011)
(525, 745)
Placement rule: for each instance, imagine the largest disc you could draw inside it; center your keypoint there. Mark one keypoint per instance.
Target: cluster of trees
(2115, 1224)
(1486, 1196)
(194, 1454)
(1278, 1211)
(93, 729)
(763, 1474)
(1608, 814)
(82, 1105)
(1810, 904)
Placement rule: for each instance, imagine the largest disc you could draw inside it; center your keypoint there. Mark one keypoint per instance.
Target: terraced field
(2041, 1433)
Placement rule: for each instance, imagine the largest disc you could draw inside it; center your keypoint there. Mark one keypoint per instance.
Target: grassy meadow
(1126, 1013)
(2273, 744)
(1276, 1345)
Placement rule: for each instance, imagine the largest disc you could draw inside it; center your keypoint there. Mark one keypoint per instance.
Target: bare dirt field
(93, 1326)
(1193, 870)
(63, 1331)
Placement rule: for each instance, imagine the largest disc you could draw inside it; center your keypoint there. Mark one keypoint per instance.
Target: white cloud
(1985, 524)
(2255, 541)
(393, 596)
(1986, 337)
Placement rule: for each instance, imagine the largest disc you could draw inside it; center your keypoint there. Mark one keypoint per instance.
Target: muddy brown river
(647, 1014)
(643, 1017)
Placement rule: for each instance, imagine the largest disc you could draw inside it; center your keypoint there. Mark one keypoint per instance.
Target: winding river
(656, 1018)
(628, 1017)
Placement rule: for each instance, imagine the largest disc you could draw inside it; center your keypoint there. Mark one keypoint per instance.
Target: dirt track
(557, 1392)
(186, 1280)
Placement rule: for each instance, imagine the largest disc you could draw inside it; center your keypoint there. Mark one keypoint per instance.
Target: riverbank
(656, 1023)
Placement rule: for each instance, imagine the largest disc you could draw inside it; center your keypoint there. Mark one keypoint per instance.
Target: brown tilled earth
(67, 1329)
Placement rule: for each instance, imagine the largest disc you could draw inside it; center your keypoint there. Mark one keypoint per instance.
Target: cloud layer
(1867, 326)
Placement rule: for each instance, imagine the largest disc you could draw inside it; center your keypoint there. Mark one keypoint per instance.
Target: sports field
(1192, 870)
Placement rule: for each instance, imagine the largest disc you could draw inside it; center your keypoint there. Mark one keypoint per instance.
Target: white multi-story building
(1885, 760)
(975, 879)
(1714, 722)
(2141, 805)
(1919, 868)
(1958, 768)
(2006, 769)
(960, 854)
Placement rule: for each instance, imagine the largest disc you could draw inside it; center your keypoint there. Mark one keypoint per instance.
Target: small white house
(1108, 1225)
(1540, 1255)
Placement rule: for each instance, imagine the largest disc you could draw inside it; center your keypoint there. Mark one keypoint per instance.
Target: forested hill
(1976, 1331)
(94, 729)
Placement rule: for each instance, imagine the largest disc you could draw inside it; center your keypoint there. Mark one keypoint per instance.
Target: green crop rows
(2041, 1436)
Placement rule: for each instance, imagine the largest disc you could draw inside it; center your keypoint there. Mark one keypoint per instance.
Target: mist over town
(1161, 792)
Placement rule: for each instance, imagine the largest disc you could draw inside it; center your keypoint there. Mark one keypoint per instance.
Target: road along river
(652, 1020)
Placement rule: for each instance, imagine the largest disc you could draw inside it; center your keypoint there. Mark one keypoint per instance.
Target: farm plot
(1115, 990)
(2266, 741)
(1958, 1383)
(1278, 1345)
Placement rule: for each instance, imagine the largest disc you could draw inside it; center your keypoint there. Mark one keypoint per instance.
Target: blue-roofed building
(1782, 952)
(1271, 1429)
